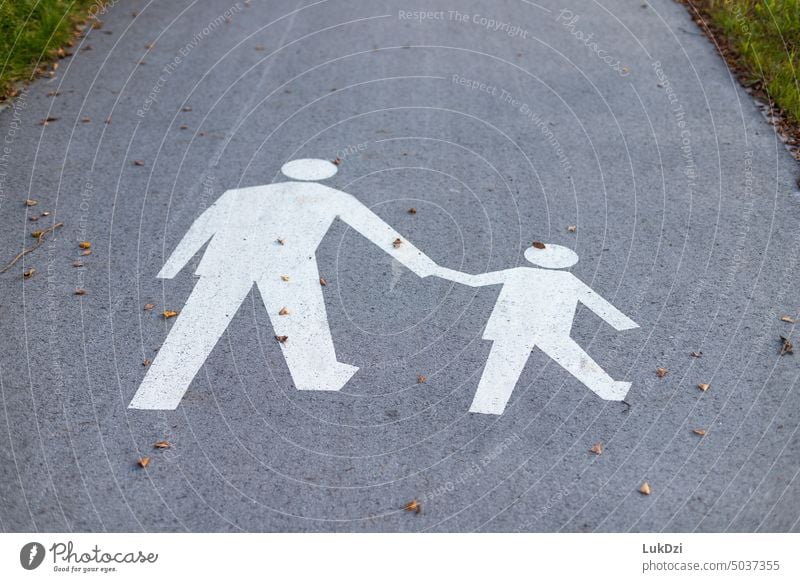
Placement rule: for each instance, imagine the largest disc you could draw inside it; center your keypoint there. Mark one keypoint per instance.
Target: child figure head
(308, 169)
(551, 256)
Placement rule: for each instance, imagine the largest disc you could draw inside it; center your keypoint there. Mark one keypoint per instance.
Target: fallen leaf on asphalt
(108, 120)
(86, 120)
(787, 347)
(414, 506)
(86, 253)
(149, 45)
(77, 263)
(183, 126)
(696, 354)
(281, 241)
(149, 306)
(138, 162)
(167, 314)
(146, 362)
(421, 379)
(33, 218)
(37, 233)
(162, 445)
(412, 210)
(661, 372)
(322, 281)
(186, 108)
(397, 242)
(260, 47)
(284, 277)
(699, 432)
(45, 213)
(787, 319)
(704, 387)
(283, 311)
(80, 291)
(645, 488)
(29, 273)
(572, 228)
(597, 448)
(143, 462)
(48, 120)
(31, 202)
(53, 93)
(537, 244)
(85, 244)
(281, 338)
(337, 161)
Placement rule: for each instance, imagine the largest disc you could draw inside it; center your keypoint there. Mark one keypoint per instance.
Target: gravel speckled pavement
(502, 123)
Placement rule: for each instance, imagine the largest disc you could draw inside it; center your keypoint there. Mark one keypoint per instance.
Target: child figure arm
(613, 316)
(494, 278)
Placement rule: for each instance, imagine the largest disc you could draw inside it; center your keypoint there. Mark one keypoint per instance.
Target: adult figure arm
(494, 278)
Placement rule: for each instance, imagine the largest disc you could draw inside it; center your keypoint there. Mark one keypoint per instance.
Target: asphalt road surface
(502, 123)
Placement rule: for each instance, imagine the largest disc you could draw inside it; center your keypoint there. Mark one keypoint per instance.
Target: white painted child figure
(535, 308)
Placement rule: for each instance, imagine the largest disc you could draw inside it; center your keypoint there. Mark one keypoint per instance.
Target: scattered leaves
(572, 228)
(149, 306)
(421, 379)
(283, 311)
(661, 372)
(699, 431)
(397, 242)
(281, 338)
(168, 314)
(28, 273)
(146, 362)
(143, 462)
(85, 244)
(644, 489)
(414, 506)
(696, 354)
(80, 291)
(412, 210)
(704, 387)
(787, 347)
(138, 162)
(787, 319)
(322, 281)
(39, 241)
(284, 277)
(537, 244)
(162, 445)
(597, 448)
(31, 202)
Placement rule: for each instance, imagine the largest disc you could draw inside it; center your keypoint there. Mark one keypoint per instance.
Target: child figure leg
(503, 369)
(572, 358)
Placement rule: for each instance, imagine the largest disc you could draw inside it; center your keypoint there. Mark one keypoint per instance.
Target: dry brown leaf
(644, 489)
(77, 263)
(46, 213)
(283, 311)
(704, 387)
(31, 202)
(537, 244)
(281, 241)
(167, 314)
(138, 162)
(787, 347)
(162, 445)
(29, 273)
(33, 218)
(183, 126)
(80, 291)
(149, 306)
(85, 244)
(187, 108)
(48, 120)
(284, 277)
(414, 506)
(37, 233)
(86, 253)
(572, 228)
(149, 45)
(699, 431)
(397, 242)
(337, 161)
(322, 281)
(696, 354)
(281, 338)
(597, 448)
(260, 47)
(661, 372)
(787, 319)
(143, 462)
(412, 210)
(421, 379)
(146, 362)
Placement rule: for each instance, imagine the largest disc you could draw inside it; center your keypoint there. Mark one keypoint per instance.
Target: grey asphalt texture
(687, 217)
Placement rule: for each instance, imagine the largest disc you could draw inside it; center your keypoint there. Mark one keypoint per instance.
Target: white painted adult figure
(267, 236)
(535, 308)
